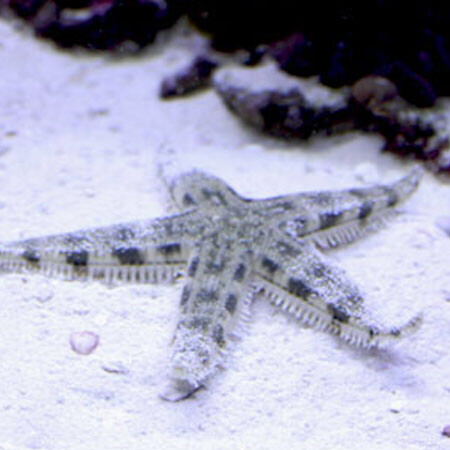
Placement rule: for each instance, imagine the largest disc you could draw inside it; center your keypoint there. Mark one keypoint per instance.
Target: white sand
(80, 141)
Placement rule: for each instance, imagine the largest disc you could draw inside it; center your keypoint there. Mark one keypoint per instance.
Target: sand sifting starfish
(230, 248)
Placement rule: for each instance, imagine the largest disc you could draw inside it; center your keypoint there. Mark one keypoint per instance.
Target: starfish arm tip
(177, 390)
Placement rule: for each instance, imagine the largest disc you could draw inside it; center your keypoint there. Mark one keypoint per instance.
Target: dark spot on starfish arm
(168, 228)
(197, 323)
(270, 265)
(77, 258)
(169, 249)
(300, 223)
(193, 266)
(31, 256)
(218, 335)
(299, 288)
(286, 206)
(128, 256)
(231, 303)
(188, 200)
(338, 313)
(185, 294)
(329, 219)
(395, 332)
(373, 332)
(207, 295)
(207, 193)
(213, 267)
(239, 273)
(392, 197)
(358, 192)
(365, 210)
(318, 270)
(217, 196)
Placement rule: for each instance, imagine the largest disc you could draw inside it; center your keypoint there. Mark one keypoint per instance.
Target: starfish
(230, 248)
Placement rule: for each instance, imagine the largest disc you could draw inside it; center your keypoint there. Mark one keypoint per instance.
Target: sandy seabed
(81, 139)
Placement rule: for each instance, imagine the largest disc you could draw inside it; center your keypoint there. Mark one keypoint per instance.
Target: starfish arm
(298, 279)
(332, 218)
(215, 304)
(143, 251)
(203, 191)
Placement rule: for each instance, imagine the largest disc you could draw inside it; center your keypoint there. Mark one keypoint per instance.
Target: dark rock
(291, 108)
(285, 111)
(296, 55)
(412, 86)
(195, 76)
(26, 8)
(99, 24)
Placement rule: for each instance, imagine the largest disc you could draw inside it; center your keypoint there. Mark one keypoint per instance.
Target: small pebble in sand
(83, 342)
(446, 431)
(115, 367)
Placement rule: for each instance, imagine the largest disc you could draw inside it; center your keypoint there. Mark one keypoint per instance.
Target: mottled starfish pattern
(230, 248)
